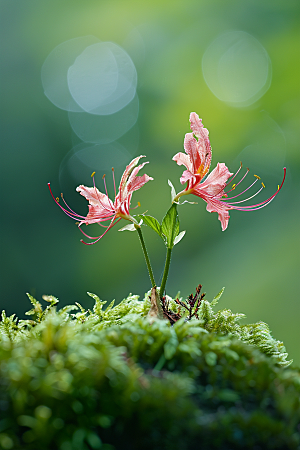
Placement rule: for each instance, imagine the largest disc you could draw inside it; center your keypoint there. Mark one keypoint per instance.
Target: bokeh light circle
(55, 69)
(102, 79)
(237, 68)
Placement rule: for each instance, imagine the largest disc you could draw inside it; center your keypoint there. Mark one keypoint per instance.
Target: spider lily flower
(101, 207)
(213, 188)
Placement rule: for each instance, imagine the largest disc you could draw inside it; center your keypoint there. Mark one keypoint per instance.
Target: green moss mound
(109, 379)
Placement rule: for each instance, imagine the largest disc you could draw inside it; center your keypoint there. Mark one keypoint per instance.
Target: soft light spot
(55, 69)
(102, 79)
(43, 412)
(237, 68)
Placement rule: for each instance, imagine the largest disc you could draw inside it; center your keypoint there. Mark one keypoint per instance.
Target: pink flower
(211, 188)
(101, 207)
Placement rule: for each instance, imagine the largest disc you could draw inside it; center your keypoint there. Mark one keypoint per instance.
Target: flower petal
(215, 183)
(194, 150)
(131, 182)
(97, 214)
(100, 206)
(126, 175)
(137, 183)
(94, 196)
(221, 208)
(201, 133)
(183, 160)
(188, 176)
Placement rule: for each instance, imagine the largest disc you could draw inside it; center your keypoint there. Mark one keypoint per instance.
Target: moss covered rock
(110, 379)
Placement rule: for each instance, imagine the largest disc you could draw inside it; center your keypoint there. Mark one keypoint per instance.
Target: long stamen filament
(234, 185)
(113, 174)
(70, 214)
(249, 187)
(97, 193)
(265, 202)
(242, 179)
(73, 212)
(230, 180)
(249, 198)
(98, 238)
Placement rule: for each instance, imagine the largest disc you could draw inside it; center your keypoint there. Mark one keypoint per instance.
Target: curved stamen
(113, 174)
(228, 182)
(73, 212)
(238, 182)
(249, 187)
(70, 214)
(104, 226)
(93, 237)
(249, 198)
(265, 202)
(86, 235)
(98, 238)
(137, 206)
(97, 193)
(252, 207)
(233, 176)
(104, 182)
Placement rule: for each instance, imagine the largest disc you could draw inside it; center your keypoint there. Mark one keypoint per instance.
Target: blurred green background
(257, 257)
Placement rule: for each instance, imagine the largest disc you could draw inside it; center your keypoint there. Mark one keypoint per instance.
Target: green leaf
(152, 223)
(170, 226)
(217, 297)
(37, 307)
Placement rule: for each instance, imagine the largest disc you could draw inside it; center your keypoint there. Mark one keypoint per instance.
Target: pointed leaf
(33, 301)
(80, 307)
(217, 297)
(152, 223)
(170, 225)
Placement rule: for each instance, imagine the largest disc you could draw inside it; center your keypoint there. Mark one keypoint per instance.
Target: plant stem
(166, 272)
(138, 229)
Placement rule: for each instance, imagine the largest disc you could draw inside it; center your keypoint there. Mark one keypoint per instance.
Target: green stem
(138, 229)
(166, 272)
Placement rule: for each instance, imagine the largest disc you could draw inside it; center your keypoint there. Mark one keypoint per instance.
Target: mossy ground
(110, 379)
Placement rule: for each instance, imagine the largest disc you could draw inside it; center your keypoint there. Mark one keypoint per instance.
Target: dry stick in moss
(192, 302)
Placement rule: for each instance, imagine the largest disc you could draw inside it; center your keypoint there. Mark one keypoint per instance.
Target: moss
(110, 379)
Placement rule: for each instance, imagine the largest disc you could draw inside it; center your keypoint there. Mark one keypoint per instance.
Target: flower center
(201, 171)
